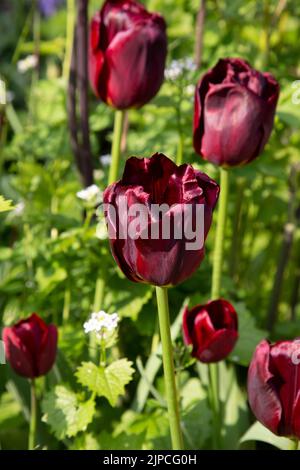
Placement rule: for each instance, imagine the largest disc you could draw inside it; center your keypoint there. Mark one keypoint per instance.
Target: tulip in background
(274, 387)
(234, 112)
(233, 119)
(30, 348)
(211, 329)
(158, 180)
(128, 48)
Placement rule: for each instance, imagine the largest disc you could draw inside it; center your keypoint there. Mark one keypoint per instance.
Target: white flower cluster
(102, 323)
(177, 68)
(30, 62)
(92, 194)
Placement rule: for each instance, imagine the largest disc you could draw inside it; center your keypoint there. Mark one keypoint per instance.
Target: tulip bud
(158, 217)
(128, 48)
(212, 330)
(234, 112)
(30, 346)
(274, 386)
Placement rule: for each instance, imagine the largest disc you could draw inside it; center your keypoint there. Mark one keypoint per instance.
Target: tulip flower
(128, 48)
(234, 112)
(167, 259)
(30, 346)
(274, 386)
(211, 329)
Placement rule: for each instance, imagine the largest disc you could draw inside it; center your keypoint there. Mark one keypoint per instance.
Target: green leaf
(65, 413)
(5, 205)
(108, 382)
(195, 410)
(249, 337)
(258, 432)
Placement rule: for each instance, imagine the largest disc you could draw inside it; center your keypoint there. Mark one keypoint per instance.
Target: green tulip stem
(33, 416)
(98, 302)
(215, 294)
(180, 148)
(219, 241)
(169, 370)
(116, 146)
(213, 376)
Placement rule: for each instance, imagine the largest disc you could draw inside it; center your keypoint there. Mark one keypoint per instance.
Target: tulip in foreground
(161, 261)
(30, 346)
(234, 112)
(211, 329)
(274, 386)
(128, 48)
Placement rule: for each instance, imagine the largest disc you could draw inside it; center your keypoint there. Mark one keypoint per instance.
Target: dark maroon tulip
(30, 346)
(128, 48)
(212, 330)
(234, 112)
(274, 386)
(157, 180)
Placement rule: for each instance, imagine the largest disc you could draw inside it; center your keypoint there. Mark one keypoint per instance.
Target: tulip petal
(134, 66)
(263, 397)
(18, 354)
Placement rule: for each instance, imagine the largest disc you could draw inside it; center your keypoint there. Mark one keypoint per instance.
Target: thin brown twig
(71, 106)
(82, 83)
(200, 33)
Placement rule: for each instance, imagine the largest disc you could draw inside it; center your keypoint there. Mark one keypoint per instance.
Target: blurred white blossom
(92, 194)
(30, 62)
(103, 324)
(177, 68)
(105, 159)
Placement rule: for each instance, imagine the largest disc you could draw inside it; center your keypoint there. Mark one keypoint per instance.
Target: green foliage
(5, 205)
(50, 258)
(109, 381)
(66, 413)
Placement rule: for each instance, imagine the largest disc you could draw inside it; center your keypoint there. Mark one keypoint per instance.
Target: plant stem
(215, 294)
(82, 83)
(70, 25)
(200, 33)
(33, 415)
(116, 146)
(98, 301)
(67, 303)
(219, 241)
(213, 377)
(180, 148)
(169, 371)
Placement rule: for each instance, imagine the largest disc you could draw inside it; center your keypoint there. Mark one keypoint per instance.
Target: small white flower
(102, 323)
(91, 194)
(30, 62)
(105, 159)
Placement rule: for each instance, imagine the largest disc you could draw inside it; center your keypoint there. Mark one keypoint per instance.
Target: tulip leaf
(108, 382)
(65, 413)
(5, 205)
(249, 337)
(258, 432)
